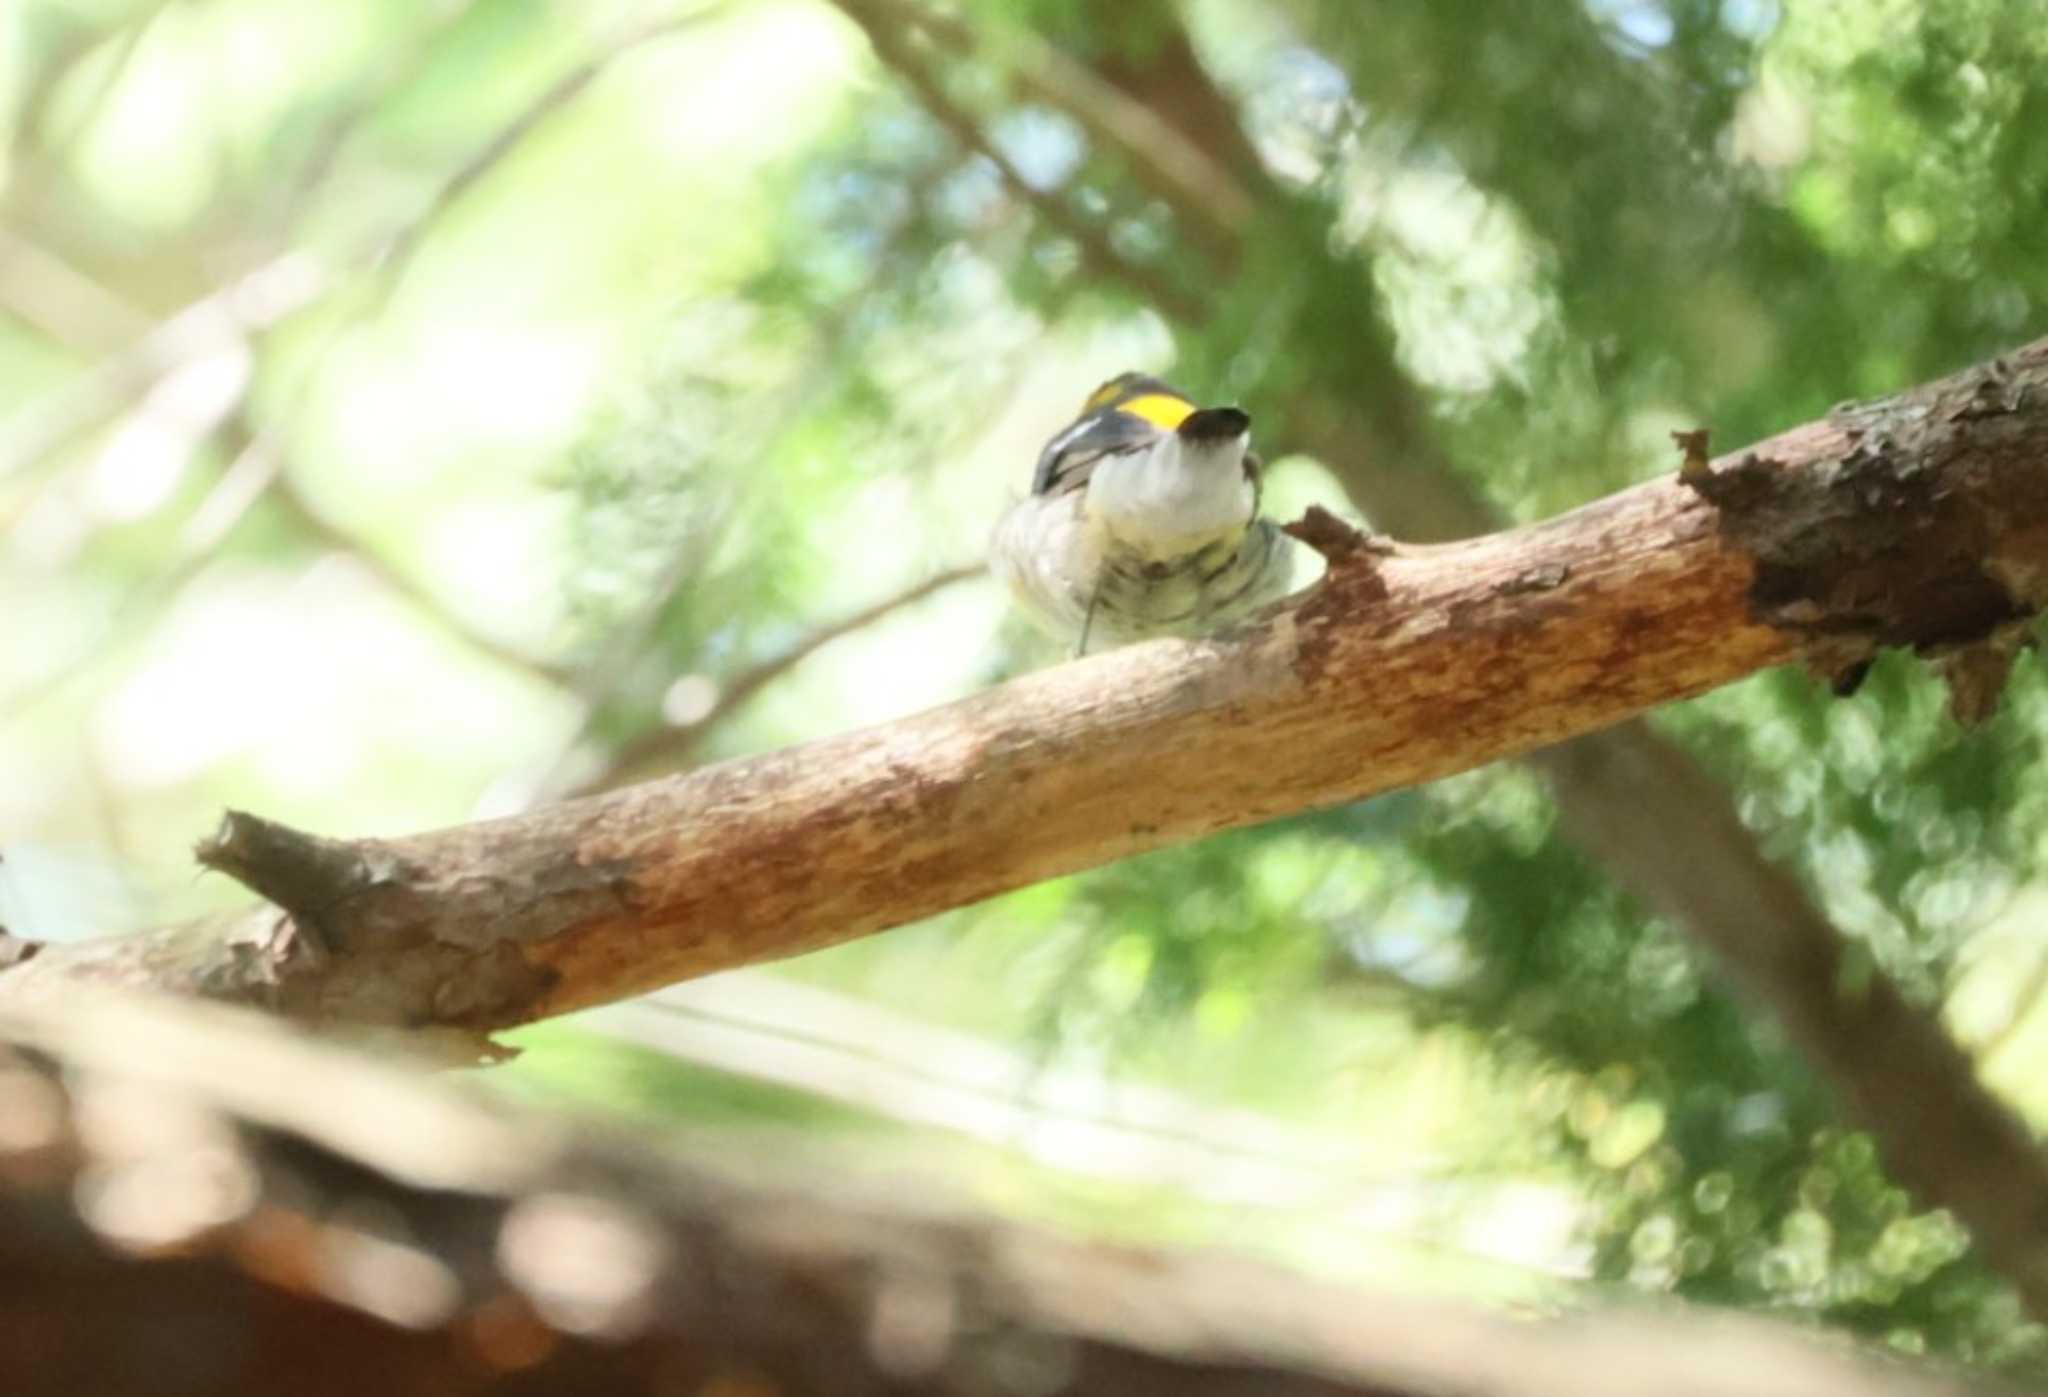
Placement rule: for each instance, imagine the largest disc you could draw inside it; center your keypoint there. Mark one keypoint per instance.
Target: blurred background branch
(450, 1236)
(669, 748)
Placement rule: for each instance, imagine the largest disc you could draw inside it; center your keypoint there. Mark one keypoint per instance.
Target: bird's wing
(1070, 457)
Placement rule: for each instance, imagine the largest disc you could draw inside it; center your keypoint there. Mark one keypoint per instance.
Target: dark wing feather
(1255, 472)
(1070, 457)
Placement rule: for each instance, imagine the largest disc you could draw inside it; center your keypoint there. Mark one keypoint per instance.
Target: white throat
(1174, 497)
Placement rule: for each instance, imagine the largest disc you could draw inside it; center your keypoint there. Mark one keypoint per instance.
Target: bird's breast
(1172, 499)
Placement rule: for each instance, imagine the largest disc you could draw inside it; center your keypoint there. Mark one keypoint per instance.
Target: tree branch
(60, 301)
(894, 49)
(506, 139)
(1917, 521)
(268, 1210)
(1209, 200)
(664, 749)
(215, 322)
(417, 595)
(1619, 792)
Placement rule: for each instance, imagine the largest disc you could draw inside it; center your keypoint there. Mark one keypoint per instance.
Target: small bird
(1143, 520)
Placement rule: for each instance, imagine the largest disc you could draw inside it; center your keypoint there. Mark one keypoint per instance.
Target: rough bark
(193, 1202)
(1918, 521)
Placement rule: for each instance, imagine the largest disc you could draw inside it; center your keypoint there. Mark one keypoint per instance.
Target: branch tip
(16, 949)
(1332, 537)
(1696, 465)
(302, 873)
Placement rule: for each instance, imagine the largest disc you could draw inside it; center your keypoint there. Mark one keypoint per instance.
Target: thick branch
(1919, 521)
(1399, 668)
(1621, 793)
(194, 1201)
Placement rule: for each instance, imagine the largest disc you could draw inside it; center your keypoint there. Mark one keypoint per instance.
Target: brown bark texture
(1919, 521)
(197, 1201)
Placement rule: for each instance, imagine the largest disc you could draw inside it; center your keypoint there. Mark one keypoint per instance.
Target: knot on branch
(1993, 391)
(421, 932)
(1334, 538)
(1745, 484)
(1352, 553)
(1696, 467)
(305, 874)
(16, 949)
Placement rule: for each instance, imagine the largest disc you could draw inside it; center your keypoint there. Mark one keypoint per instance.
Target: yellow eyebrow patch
(1160, 409)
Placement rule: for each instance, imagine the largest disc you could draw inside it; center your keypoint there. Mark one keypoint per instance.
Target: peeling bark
(1910, 537)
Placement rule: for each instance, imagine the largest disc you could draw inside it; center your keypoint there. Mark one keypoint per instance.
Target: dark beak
(1216, 424)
